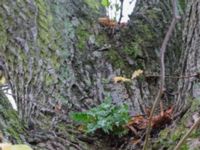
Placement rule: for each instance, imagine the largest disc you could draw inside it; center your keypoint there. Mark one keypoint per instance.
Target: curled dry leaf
(105, 21)
(140, 122)
(110, 23)
(162, 119)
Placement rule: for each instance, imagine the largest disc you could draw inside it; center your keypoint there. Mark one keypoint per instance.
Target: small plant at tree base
(107, 117)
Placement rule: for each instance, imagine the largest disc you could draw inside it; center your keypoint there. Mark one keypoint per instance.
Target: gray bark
(51, 54)
(11, 128)
(189, 88)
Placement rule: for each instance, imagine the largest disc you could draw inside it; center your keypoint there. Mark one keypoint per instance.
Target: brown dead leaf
(105, 21)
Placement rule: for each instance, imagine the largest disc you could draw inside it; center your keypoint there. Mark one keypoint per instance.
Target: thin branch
(195, 125)
(173, 77)
(121, 11)
(162, 73)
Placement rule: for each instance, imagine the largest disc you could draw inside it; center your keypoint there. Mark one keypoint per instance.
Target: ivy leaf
(105, 3)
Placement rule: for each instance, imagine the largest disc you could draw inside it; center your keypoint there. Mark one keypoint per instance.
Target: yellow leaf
(121, 79)
(136, 73)
(2, 80)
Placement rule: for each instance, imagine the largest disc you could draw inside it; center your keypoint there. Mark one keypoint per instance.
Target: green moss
(102, 39)
(152, 13)
(95, 6)
(11, 125)
(142, 40)
(14, 128)
(179, 132)
(133, 49)
(44, 22)
(170, 137)
(3, 34)
(46, 32)
(195, 134)
(83, 36)
(61, 127)
(182, 4)
(115, 59)
(184, 147)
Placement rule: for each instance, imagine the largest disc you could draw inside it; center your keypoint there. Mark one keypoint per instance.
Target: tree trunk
(189, 87)
(58, 59)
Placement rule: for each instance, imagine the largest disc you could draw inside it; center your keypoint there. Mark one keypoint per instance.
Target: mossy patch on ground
(169, 137)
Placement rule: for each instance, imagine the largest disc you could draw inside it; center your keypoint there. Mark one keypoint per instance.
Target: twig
(162, 72)
(121, 11)
(178, 146)
(173, 77)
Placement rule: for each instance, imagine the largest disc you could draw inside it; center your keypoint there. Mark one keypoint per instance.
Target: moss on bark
(10, 124)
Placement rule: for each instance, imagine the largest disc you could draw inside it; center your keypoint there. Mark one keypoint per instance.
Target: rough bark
(52, 47)
(190, 59)
(52, 56)
(10, 125)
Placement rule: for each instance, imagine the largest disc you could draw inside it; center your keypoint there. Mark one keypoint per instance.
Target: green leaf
(108, 117)
(82, 117)
(105, 3)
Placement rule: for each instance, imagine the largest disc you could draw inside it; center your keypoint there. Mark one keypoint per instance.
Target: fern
(108, 117)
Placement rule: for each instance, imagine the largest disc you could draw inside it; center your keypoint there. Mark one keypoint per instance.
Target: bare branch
(175, 77)
(121, 11)
(162, 72)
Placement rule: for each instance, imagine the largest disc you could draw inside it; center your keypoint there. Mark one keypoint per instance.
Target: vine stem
(162, 71)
